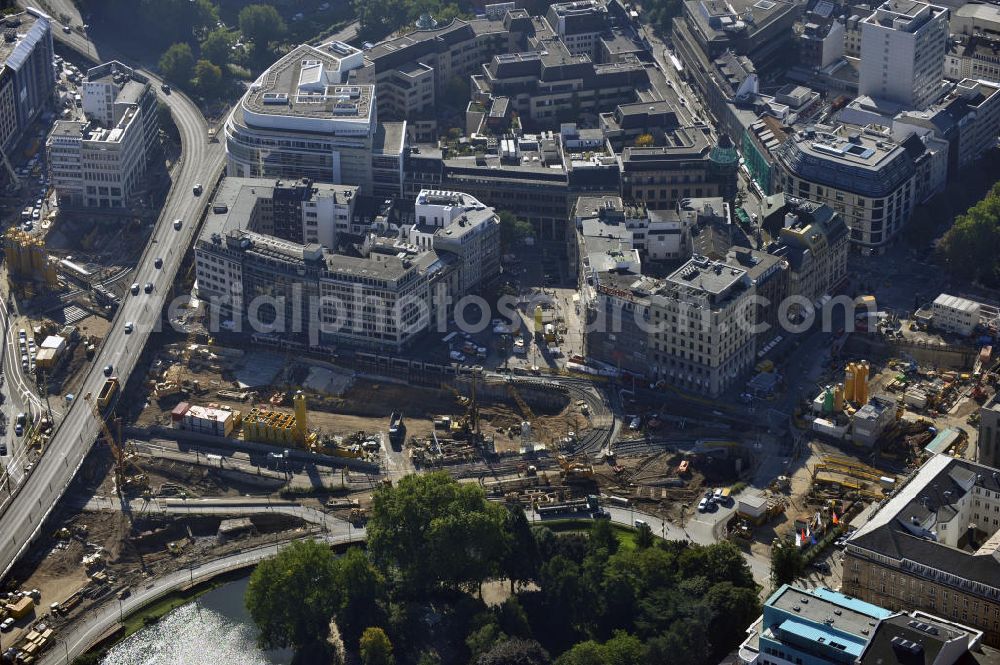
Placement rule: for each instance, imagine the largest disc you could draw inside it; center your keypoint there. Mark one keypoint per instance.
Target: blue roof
(850, 603)
(820, 635)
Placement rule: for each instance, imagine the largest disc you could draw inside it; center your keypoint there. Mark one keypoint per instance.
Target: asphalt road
(201, 162)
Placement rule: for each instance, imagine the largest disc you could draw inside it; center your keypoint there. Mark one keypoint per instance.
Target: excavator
(574, 471)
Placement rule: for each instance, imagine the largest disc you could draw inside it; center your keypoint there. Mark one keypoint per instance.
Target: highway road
(201, 162)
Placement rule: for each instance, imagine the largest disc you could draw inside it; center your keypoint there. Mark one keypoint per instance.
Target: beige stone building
(934, 546)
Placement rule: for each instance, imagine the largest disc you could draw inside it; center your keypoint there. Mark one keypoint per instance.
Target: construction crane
(117, 451)
(471, 405)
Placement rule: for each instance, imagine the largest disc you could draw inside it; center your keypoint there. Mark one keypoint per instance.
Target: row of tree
(579, 598)
(972, 245)
(379, 18)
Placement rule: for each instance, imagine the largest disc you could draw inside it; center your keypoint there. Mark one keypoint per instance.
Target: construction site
(213, 423)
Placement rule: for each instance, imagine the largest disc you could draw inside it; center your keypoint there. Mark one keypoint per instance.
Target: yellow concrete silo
(539, 320)
(838, 398)
(861, 383)
(849, 382)
(299, 405)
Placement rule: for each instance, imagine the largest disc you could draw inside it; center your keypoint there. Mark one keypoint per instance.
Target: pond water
(215, 629)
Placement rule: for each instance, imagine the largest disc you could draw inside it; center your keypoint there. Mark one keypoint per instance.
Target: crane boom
(116, 450)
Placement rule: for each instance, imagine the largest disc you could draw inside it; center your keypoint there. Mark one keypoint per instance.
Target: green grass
(625, 535)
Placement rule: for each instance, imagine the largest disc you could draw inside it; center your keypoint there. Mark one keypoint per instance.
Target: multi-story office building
(261, 265)
(971, 18)
(628, 122)
(988, 445)
(934, 546)
(531, 175)
(550, 85)
(708, 29)
(301, 119)
(100, 163)
(746, 27)
(579, 25)
(972, 50)
(410, 72)
(822, 627)
(459, 224)
(27, 77)
(868, 179)
(974, 57)
(769, 274)
(821, 42)
(810, 626)
(814, 241)
(298, 211)
(902, 52)
(693, 329)
(760, 138)
(658, 235)
(967, 119)
(678, 167)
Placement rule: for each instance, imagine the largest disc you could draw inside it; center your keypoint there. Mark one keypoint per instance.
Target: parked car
(703, 505)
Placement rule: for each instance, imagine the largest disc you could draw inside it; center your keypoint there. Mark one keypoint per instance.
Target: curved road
(77, 641)
(201, 162)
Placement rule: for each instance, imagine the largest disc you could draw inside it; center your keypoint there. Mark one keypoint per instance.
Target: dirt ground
(366, 406)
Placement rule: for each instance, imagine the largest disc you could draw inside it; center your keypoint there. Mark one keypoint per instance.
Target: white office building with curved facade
(302, 119)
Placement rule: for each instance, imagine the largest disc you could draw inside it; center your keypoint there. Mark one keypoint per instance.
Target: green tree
(583, 653)
(261, 24)
(208, 77)
(362, 587)
(521, 561)
(787, 564)
(602, 535)
(643, 536)
(733, 608)
(292, 596)
(513, 230)
(515, 651)
(218, 47)
(482, 639)
(624, 649)
(375, 648)
(177, 63)
(972, 245)
(644, 140)
(432, 530)
(512, 618)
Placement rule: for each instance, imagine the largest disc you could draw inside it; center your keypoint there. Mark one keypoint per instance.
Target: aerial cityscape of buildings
(670, 267)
